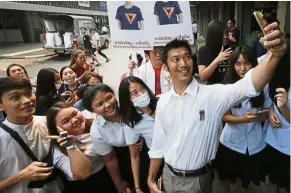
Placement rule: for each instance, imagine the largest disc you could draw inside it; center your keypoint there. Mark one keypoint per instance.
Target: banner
(84, 3)
(144, 24)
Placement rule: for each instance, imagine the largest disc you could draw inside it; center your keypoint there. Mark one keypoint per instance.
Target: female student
(212, 55)
(20, 71)
(241, 153)
(84, 169)
(138, 106)
(69, 80)
(78, 63)
(48, 81)
(108, 135)
(278, 128)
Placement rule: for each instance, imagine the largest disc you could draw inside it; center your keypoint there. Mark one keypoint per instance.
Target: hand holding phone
(68, 143)
(262, 112)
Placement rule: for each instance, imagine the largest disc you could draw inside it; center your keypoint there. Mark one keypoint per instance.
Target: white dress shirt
(194, 27)
(146, 72)
(185, 136)
(106, 134)
(13, 159)
(279, 138)
(84, 143)
(95, 38)
(243, 136)
(144, 128)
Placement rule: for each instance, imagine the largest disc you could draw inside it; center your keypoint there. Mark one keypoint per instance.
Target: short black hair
(194, 21)
(147, 52)
(232, 21)
(90, 91)
(12, 65)
(173, 45)
(129, 115)
(9, 83)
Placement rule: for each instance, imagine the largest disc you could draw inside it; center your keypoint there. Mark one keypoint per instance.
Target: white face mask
(69, 83)
(142, 100)
(58, 86)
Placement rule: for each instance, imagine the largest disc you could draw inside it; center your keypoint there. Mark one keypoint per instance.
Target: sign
(144, 24)
(103, 5)
(84, 3)
(86, 24)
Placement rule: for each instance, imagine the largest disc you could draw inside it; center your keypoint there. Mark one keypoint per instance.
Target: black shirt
(87, 43)
(206, 60)
(235, 33)
(44, 103)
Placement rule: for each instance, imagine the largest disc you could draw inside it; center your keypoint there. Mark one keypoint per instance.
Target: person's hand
(36, 171)
(62, 140)
(138, 190)
(153, 186)
(274, 119)
(274, 40)
(250, 117)
(281, 97)
(72, 99)
(140, 144)
(223, 55)
(131, 65)
(122, 187)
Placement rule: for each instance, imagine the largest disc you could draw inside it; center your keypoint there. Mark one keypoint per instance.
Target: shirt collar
(101, 121)
(192, 89)
(23, 129)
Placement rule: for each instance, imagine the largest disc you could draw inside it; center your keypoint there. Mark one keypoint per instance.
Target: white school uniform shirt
(106, 134)
(243, 136)
(95, 38)
(186, 126)
(144, 129)
(13, 159)
(279, 138)
(84, 143)
(194, 27)
(146, 72)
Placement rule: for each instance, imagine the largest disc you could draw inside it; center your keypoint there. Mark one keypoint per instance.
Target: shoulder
(164, 99)
(202, 49)
(40, 123)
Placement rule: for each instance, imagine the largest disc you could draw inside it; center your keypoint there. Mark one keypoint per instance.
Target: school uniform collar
(192, 89)
(101, 120)
(21, 129)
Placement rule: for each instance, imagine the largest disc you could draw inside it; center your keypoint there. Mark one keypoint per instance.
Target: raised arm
(275, 42)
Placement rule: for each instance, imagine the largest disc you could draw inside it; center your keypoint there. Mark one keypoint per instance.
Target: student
(212, 57)
(78, 63)
(20, 71)
(152, 72)
(167, 12)
(137, 108)
(69, 80)
(107, 133)
(48, 82)
(89, 51)
(129, 17)
(233, 34)
(17, 168)
(96, 44)
(84, 169)
(241, 153)
(91, 78)
(187, 117)
(278, 128)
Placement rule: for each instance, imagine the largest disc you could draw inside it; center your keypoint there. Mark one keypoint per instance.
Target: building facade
(21, 21)
(242, 12)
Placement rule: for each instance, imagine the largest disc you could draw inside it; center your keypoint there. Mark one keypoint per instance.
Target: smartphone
(263, 111)
(66, 95)
(69, 143)
(258, 15)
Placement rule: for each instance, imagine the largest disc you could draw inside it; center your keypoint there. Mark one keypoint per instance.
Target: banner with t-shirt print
(144, 24)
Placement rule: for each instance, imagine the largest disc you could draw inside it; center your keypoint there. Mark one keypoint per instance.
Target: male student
(167, 12)
(188, 116)
(16, 167)
(129, 17)
(153, 72)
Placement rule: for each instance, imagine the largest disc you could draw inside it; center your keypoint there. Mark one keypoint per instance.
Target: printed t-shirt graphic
(129, 18)
(167, 11)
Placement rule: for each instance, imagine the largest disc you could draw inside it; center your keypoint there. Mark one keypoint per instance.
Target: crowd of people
(161, 133)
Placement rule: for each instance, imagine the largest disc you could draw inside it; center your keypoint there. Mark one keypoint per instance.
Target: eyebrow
(13, 92)
(67, 117)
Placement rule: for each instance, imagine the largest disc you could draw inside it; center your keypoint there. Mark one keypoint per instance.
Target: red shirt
(79, 70)
(158, 89)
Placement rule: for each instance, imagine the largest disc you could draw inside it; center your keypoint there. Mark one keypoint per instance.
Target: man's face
(83, 30)
(155, 56)
(229, 24)
(19, 102)
(180, 64)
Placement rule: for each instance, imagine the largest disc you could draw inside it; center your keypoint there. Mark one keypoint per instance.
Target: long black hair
(281, 76)
(45, 82)
(231, 76)
(128, 112)
(12, 65)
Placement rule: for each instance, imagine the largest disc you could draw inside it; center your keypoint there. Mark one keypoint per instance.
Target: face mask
(67, 83)
(58, 86)
(142, 100)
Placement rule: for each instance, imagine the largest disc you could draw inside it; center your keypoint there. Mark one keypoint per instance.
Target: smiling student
(17, 168)
(188, 116)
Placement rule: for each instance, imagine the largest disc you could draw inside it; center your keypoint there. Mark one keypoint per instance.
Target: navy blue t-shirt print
(167, 12)
(129, 18)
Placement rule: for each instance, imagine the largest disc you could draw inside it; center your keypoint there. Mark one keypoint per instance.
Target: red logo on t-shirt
(168, 11)
(130, 17)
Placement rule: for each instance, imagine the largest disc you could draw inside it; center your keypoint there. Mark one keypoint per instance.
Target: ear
(1, 107)
(164, 66)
